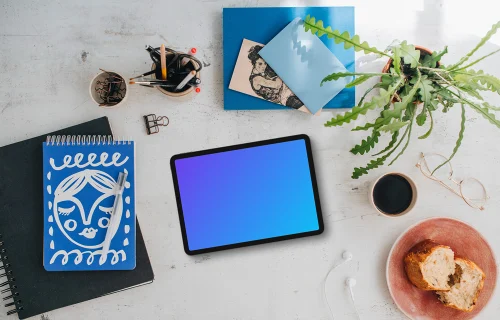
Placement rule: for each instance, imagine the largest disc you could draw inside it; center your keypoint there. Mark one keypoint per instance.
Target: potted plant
(413, 85)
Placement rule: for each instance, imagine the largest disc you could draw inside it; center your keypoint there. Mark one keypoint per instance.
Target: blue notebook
(262, 25)
(80, 176)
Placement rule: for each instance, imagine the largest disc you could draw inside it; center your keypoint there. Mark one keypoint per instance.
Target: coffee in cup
(393, 194)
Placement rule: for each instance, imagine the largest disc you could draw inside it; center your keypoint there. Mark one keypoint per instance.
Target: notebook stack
(58, 211)
(271, 62)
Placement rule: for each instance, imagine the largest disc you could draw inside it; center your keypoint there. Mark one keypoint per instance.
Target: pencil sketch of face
(78, 222)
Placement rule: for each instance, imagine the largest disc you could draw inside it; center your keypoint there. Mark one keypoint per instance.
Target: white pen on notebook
(186, 80)
(114, 221)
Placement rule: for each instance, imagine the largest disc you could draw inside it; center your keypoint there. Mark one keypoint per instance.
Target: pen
(154, 83)
(114, 220)
(163, 60)
(185, 80)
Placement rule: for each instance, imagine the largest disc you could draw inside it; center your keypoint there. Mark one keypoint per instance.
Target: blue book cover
(262, 25)
(80, 186)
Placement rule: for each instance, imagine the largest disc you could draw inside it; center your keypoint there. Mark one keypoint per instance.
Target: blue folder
(302, 61)
(262, 25)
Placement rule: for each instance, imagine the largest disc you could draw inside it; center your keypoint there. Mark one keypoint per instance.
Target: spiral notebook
(80, 175)
(27, 288)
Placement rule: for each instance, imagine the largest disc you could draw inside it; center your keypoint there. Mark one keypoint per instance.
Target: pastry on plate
(466, 284)
(429, 265)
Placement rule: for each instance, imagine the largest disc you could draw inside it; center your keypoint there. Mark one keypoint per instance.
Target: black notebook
(28, 287)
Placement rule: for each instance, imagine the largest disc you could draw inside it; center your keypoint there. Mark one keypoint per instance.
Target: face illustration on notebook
(81, 185)
(74, 219)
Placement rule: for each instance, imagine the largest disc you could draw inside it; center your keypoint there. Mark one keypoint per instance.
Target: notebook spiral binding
(86, 140)
(6, 271)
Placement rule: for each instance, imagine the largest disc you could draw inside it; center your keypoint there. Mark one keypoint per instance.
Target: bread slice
(429, 265)
(465, 287)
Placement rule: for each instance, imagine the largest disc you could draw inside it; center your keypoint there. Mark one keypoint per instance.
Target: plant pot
(101, 76)
(423, 51)
(186, 93)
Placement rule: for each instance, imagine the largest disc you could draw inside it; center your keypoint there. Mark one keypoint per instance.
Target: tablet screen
(247, 194)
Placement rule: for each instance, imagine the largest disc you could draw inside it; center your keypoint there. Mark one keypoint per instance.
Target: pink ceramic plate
(465, 241)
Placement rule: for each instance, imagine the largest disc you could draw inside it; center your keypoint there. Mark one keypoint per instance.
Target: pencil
(163, 60)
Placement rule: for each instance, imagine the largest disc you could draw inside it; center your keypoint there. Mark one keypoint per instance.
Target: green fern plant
(415, 86)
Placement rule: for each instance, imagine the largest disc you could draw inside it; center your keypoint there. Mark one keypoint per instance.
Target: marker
(186, 80)
(185, 60)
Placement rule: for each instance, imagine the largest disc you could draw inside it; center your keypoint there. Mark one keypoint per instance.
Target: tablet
(247, 194)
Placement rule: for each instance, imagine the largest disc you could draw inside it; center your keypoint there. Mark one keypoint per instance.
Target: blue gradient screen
(247, 194)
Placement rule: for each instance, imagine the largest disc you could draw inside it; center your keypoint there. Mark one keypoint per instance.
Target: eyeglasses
(470, 189)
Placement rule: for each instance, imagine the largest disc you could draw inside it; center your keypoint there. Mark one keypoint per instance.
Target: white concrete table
(49, 51)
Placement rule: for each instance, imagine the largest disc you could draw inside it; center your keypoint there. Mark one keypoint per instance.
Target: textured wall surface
(49, 52)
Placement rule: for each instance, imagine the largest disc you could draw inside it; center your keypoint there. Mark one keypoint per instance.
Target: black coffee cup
(393, 194)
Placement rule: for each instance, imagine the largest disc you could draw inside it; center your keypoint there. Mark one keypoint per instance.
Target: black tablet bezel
(238, 147)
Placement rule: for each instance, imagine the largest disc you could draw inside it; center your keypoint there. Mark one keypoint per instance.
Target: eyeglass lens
(432, 161)
(473, 192)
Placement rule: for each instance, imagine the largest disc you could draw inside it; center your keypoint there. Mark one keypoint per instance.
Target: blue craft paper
(90, 184)
(302, 61)
(262, 25)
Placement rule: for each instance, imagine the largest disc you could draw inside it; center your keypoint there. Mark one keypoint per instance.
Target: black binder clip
(153, 123)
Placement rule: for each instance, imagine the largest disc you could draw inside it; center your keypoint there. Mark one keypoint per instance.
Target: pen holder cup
(186, 93)
(97, 85)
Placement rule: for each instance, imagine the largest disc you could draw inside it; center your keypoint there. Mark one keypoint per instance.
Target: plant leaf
(481, 110)
(393, 126)
(434, 104)
(487, 37)
(488, 106)
(378, 122)
(428, 133)
(357, 81)
(366, 145)
(396, 50)
(431, 60)
(422, 116)
(409, 54)
(492, 83)
(388, 80)
(478, 60)
(459, 140)
(425, 90)
(484, 112)
(408, 129)
(470, 91)
(377, 101)
(390, 145)
(410, 109)
(359, 171)
(400, 106)
(314, 27)
(338, 75)
(445, 94)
